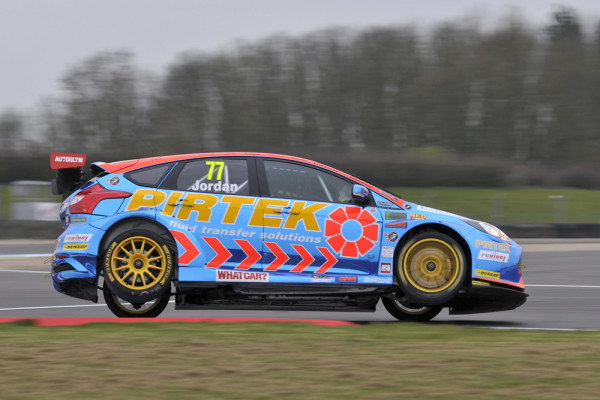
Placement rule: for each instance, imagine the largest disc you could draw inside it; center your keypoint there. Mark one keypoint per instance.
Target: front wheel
(408, 312)
(124, 309)
(431, 268)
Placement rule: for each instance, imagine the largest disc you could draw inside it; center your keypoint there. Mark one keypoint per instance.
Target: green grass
(295, 361)
(511, 205)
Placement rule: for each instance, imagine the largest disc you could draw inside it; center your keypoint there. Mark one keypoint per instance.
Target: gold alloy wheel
(431, 265)
(138, 263)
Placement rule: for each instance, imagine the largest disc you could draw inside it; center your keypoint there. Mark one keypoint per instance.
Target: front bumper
(487, 298)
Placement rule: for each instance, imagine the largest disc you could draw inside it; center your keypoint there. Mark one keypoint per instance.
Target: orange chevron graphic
(280, 257)
(330, 260)
(189, 250)
(307, 259)
(252, 255)
(222, 253)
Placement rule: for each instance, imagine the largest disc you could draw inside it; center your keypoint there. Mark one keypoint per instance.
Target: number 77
(212, 164)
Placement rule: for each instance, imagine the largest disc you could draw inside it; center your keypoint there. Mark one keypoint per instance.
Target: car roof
(129, 165)
(120, 167)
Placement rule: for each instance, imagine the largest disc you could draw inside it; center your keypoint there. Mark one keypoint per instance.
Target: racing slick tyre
(409, 312)
(430, 268)
(138, 264)
(124, 309)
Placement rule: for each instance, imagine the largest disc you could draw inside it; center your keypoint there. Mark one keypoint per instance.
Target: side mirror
(360, 195)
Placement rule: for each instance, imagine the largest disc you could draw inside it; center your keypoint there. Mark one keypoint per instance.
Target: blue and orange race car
(269, 231)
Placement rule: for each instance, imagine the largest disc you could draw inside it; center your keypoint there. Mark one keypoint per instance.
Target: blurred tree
(11, 131)
(103, 106)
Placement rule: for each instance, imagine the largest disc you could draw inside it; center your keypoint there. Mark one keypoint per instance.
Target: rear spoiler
(69, 172)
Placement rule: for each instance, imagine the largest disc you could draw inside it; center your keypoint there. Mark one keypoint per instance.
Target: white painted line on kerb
(508, 328)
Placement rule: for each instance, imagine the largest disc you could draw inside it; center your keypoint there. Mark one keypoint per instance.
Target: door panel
(311, 232)
(209, 214)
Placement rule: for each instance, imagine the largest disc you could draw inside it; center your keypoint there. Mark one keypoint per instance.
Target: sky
(41, 39)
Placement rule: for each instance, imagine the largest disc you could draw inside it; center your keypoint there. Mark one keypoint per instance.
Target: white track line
(526, 286)
(566, 286)
(46, 307)
(25, 271)
(5, 256)
(49, 307)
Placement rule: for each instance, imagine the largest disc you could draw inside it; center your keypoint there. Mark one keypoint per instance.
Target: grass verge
(294, 361)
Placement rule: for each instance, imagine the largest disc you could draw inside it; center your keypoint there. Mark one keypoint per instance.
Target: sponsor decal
(418, 216)
(387, 251)
(79, 237)
(434, 210)
(322, 279)
(373, 209)
(241, 276)
(407, 206)
(113, 181)
(378, 279)
(395, 215)
(391, 236)
(351, 231)
(489, 255)
(220, 187)
(66, 160)
(346, 279)
(199, 206)
(385, 268)
(396, 225)
(75, 246)
(78, 220)
(484, 244)
(487, 274)
(387, 204)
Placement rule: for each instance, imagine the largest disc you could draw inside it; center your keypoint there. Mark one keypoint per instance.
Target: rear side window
(214, 175)
(294, 181)
(149, 176)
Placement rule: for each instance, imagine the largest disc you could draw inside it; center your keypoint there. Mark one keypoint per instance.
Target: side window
(296, 181)
(149, 176)
(213, 175)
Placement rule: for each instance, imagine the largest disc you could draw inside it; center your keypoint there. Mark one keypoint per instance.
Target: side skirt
(280, 297)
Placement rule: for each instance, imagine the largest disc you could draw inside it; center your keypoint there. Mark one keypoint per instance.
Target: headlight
(488, 228)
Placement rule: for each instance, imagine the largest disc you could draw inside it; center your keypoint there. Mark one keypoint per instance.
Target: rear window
(149, 176)
(213, 175)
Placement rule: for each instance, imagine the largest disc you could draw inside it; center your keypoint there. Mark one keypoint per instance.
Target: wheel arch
(132, 223)
(441, 228)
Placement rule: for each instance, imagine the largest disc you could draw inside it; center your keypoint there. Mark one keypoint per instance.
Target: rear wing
(69, 172)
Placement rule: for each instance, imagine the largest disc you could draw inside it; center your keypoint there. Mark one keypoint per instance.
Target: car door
(312, 232)
(209, 202)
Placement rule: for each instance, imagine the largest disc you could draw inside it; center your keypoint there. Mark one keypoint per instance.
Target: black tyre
(430, 269)
(124, 309)
(138, 264)
(408, 312)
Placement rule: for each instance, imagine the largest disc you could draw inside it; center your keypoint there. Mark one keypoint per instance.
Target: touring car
(268, 231)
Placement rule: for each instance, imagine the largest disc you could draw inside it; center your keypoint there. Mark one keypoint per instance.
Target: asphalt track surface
(562, 278)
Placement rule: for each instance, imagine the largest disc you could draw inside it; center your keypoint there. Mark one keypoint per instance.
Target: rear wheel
(138, 264)
(124, 309)
(431, 268)
(408, 312)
